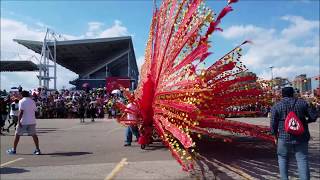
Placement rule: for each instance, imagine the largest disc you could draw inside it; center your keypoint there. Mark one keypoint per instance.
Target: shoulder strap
(290, 108)
(294, 104)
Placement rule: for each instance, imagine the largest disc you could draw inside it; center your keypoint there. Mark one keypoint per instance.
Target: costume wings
(178, 95)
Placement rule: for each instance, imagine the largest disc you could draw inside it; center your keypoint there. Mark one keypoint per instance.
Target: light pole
(271, 67)
(272, 93)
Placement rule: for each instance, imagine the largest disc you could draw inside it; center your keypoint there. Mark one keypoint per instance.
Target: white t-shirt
(131, 117)
(14, 111)
(29, 108)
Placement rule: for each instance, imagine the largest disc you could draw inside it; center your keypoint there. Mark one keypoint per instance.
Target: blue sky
(274, 24)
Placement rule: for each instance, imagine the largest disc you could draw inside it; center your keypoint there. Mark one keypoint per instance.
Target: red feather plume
(177, 96)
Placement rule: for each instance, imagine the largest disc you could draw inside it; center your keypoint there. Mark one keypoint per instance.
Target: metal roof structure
(81, 56)
(11, 66)
(91, 59)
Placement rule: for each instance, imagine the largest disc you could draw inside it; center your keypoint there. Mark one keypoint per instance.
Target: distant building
(247, 73)
(279, 82)
(302, 83)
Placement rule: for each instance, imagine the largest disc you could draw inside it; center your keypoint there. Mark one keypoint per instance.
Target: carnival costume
(177, 96)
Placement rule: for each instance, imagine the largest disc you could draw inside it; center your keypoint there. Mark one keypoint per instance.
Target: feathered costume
(177, 96)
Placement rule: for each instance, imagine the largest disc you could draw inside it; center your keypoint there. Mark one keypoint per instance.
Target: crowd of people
(94, 103)
(80, 104)
(22, 107)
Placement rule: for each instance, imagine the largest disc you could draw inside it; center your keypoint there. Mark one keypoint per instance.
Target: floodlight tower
(48, 60)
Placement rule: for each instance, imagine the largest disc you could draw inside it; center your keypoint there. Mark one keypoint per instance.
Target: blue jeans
(301, 153)
(129, 131)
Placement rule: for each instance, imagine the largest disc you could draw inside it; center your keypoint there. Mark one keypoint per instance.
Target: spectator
(14, 112)
(286, 142)
(92, 111)
(132, 129)
(3, 114)
(81, 111)
(4, 109)
(26, 123)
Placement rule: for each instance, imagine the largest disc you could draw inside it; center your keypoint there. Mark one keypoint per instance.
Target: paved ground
(95, 151)
(249, 158)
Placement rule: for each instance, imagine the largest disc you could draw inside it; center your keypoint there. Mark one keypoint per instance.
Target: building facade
(279, 82)
(302, 83)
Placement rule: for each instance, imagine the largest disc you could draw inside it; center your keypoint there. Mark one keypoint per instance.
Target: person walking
(26, 123)
(14, 112)
(286, 142)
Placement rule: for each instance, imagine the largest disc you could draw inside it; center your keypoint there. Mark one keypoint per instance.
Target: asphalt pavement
(94, 150)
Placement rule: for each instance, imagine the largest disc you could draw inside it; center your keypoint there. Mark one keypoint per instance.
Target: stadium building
(96, 61)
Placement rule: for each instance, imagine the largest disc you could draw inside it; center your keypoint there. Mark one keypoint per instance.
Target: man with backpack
(289, 125)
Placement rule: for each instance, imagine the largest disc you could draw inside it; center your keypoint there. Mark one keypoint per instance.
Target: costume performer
(177, 95)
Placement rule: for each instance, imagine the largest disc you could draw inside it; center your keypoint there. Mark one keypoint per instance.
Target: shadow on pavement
(46, 130)
(247, 157)
(56, 154)
(155, 146)
(11, 170)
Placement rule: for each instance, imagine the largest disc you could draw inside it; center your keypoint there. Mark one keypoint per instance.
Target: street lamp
(271, 67)
(272, 93)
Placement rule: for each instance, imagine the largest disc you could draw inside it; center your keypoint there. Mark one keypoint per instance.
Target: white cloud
(93, 26)
(285, 71)
(140, 62)
(27, 80)
(246, 31)
(292, 50)
(10, 50)
(116, 30)
(43, 25)
(298, 27)
(11, 29)
(96, 30)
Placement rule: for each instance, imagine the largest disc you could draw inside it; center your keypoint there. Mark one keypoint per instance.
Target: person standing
(288, 143)
(3, 113)
(4, 109)
(26, 123)
(81, 111)
(92, 111)
(132, 129)
(14, 112)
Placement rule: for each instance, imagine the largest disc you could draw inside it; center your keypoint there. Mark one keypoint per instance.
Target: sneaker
(127, 144)
(37, 152)
(11, 151)
(7, 130)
